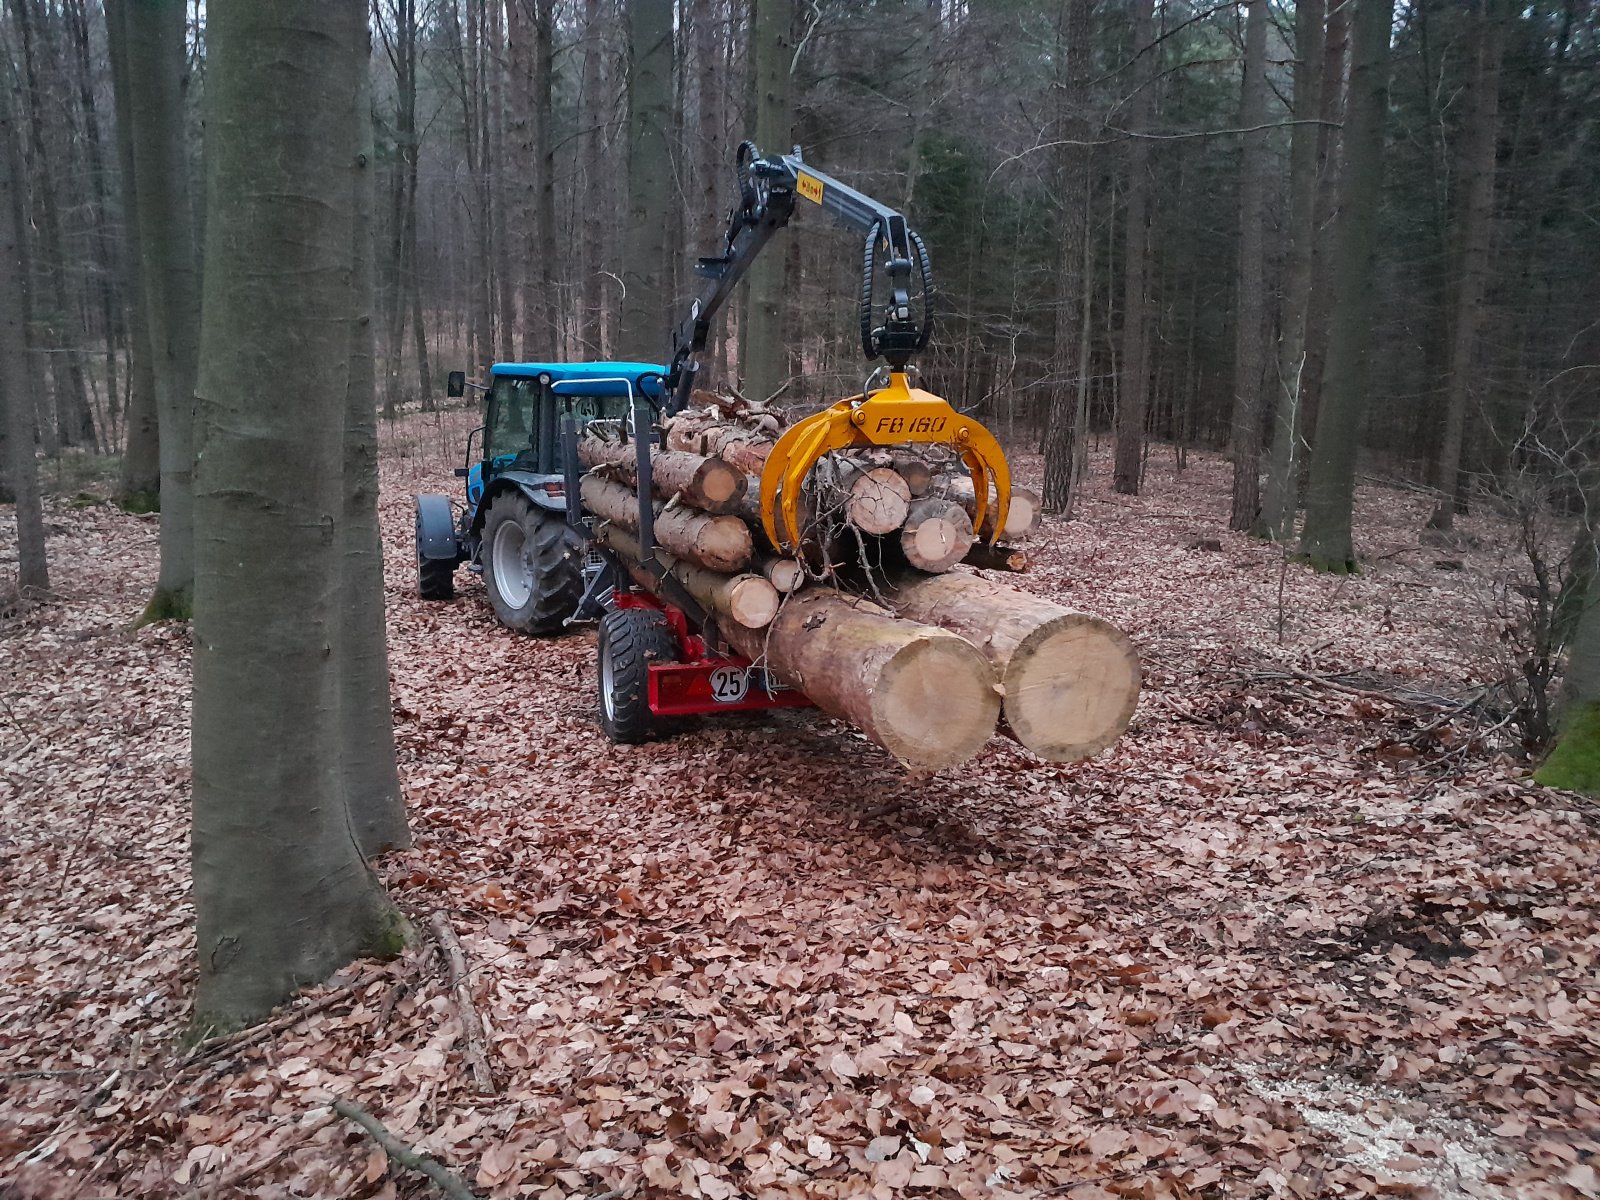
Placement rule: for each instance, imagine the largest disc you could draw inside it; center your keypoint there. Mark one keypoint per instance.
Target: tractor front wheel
(630, 640)
(532, 566)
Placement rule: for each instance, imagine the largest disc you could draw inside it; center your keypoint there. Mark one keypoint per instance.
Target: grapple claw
(892, 416)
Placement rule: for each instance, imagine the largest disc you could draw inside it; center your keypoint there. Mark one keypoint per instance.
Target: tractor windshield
(513, 425)
(523, 422)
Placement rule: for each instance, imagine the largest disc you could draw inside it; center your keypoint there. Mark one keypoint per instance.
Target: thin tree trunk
(496, 168)
(1472, 247)
(1065, 430)
(282, 895)
(370, 778)
(16, 403)
(155, 41)
(139, 487)
(1250, 332)
(546, 254)
(763, 336)
(644, 260)
(1135, 378)
(1278, 507)
(594, 115)
(1326, 539)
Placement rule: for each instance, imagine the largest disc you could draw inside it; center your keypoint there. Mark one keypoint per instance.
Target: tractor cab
(515, 528)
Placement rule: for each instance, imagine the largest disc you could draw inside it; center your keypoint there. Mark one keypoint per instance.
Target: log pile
(885, 618)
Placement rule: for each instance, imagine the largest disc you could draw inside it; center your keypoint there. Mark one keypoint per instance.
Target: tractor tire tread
(633, 638)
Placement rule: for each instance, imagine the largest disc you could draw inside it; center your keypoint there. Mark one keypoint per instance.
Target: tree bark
(1472, 248)
(139, 485)
(764, 358)
(1135, 365)
(644, 266)
(1067, 428)
(1022, 518)
(154, 38)
(749, 600)
(1071, 680)
(1249, 340)
(1326, 539)
(282, 894)
(708, 484)
(16, 396)
(1283, 469)
(594, 117)
(371, 779)
(717, 543)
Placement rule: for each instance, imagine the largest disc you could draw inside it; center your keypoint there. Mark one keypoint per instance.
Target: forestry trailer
(706, 537)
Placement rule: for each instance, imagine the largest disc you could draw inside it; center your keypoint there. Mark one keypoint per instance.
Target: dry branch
(446, 1180)
(471, 1027)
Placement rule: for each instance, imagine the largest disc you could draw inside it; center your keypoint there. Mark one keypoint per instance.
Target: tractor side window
(514, 426)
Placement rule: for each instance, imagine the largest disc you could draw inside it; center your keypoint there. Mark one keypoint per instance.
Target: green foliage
(140, 501)
(1574, 763)
(167, 604)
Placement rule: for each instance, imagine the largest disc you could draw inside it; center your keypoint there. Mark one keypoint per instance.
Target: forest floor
(1300, 932)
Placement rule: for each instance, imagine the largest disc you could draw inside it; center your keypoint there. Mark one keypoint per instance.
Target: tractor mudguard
(542, 491)
(436, 529)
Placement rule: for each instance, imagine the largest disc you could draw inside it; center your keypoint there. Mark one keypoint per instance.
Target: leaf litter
(1251, 950)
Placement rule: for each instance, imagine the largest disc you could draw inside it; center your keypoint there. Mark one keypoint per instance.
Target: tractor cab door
(515, 428)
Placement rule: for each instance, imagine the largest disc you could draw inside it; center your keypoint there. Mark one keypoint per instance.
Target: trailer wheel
(630, 640)
(532, 565)
(436, 578)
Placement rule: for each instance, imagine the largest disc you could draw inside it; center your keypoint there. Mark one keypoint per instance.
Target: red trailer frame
(701, 682)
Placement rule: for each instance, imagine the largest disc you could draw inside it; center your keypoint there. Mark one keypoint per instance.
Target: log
(717, 543)
(915, 470)
(924, 695)
(704, 483)
(785, 574)
(999, 557)
(1071, 680)
(873, 499)
(712, 437)
(937, 534)
(1027, 509)
(748, 600)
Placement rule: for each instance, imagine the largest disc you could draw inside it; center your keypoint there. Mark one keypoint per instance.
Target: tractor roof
(581, 372)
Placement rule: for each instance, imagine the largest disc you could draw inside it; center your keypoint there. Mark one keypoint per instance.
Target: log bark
(937, 534)
(1071, 680)
(718, 543)
(917, 472)
(1026, 512)
(749, 600)
(924, 695)
(698, 433)
(705, 483)
(997, 558)
(785, 574)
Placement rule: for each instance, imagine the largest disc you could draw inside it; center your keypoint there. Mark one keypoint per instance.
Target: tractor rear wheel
(436, 578)
(532, 565)
(630, 640)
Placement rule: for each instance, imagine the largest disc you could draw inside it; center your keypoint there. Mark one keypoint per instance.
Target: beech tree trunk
(922, 694)
(1326, 540)
(650, 180)
(717, 543)
(16, 396)
(1472, 249)
(1249, 330)
(139, 486)
(371, 779)
(765, 360)
(1135, 379)
(1071, 680)
(1283, 469)
(157, 63)
(282, 894)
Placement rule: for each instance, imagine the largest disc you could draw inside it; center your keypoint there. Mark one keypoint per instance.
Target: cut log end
(937, 535)
(936, 703)
(1071, 687)
(879, 501)
(785, 574)
(751, 601)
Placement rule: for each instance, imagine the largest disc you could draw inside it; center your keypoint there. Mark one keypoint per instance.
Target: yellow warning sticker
(808, 186)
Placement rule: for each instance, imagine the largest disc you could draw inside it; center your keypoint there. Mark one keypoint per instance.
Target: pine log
(937, 534)
(748, 600)
(699, 433)
(873, 499)
(785, 574)
(999, 557)
(717, 543)
(704, 483)
(924, 695)
(915, 470)
(1071, 680)
(1023, 518)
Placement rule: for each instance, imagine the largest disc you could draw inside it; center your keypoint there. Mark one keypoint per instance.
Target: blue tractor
(515, 527)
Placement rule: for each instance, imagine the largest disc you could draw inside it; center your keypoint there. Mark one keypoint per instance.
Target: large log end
(1071, 687)
(936, 702)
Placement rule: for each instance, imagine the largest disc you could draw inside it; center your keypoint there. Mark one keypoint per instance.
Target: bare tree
(1133, 394)
(1250, 321)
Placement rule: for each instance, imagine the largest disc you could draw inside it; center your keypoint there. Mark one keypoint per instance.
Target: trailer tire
(532, 565)
(630, 640)
(436, 578)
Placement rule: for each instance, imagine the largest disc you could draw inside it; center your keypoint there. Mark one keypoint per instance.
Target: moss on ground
(167, 604)
(1574, 763)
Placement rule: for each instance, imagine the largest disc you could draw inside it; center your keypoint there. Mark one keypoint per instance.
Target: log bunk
(890, 615)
